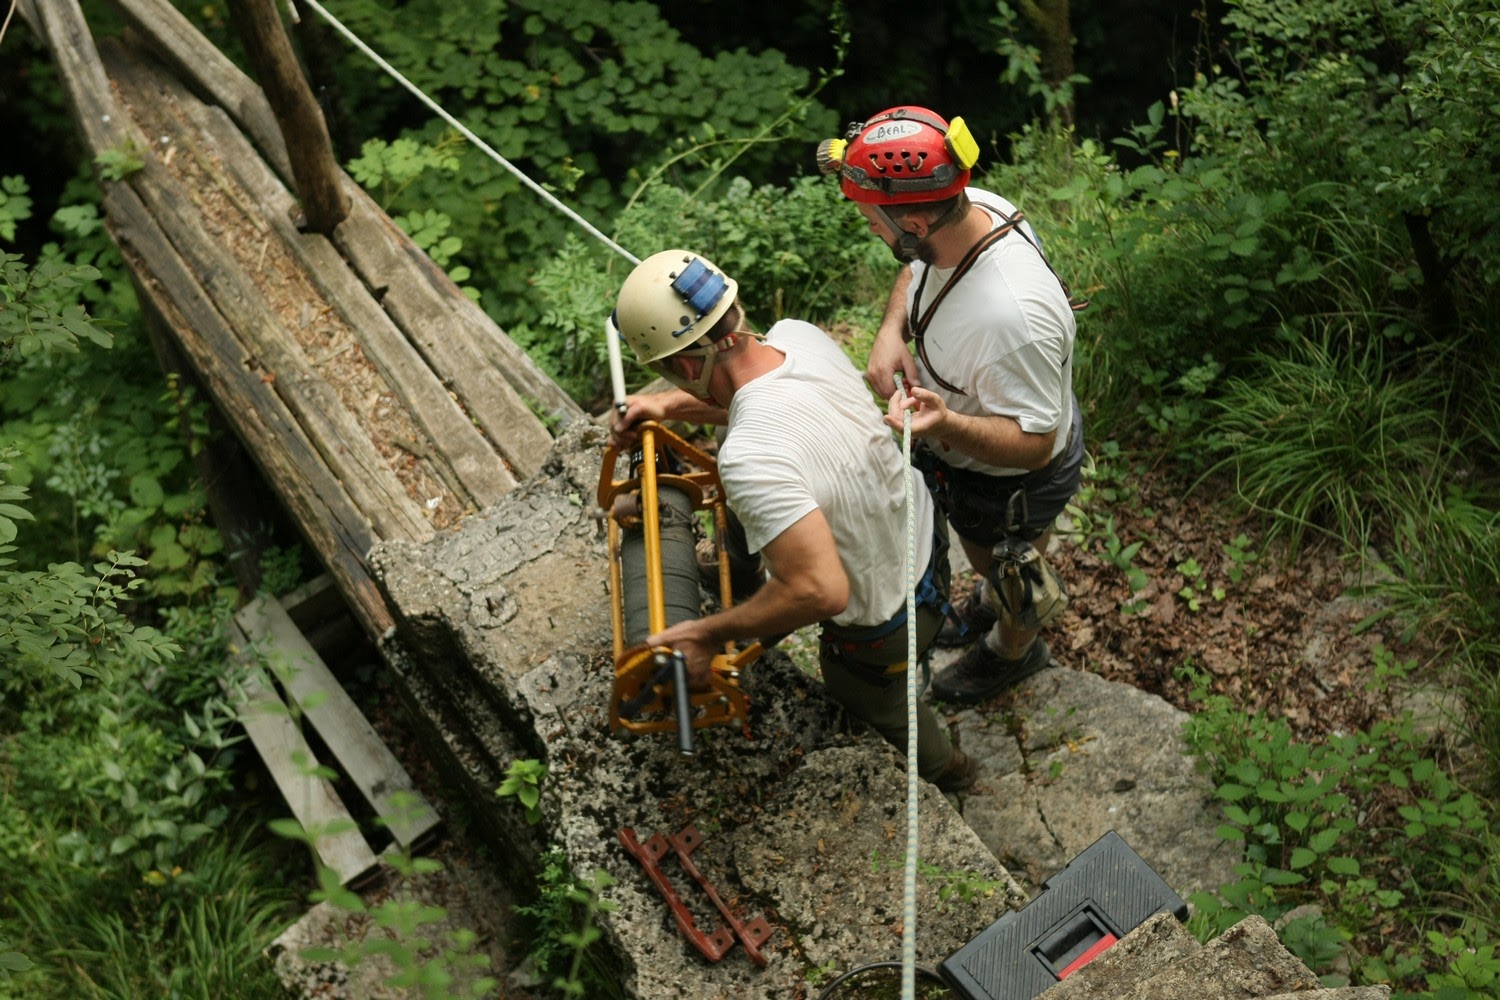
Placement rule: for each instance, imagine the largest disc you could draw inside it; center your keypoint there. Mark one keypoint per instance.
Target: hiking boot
(959, 775)
(968, 619)
(981, 674)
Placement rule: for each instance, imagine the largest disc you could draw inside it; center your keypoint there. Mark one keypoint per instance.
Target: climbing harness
(917, 330)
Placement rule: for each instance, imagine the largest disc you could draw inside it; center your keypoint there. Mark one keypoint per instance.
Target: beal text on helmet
(891, 131)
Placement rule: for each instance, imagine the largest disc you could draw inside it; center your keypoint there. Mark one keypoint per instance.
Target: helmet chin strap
(697, 387)
(905, 247)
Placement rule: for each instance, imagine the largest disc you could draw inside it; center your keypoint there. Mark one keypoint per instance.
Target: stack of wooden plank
(284, 685)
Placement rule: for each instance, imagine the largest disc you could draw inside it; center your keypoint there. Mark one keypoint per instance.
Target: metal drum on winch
(679, 567)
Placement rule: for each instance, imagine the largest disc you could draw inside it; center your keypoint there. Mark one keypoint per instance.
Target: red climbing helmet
(902, 155)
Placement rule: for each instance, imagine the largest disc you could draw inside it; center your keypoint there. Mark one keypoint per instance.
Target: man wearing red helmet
(999, 432)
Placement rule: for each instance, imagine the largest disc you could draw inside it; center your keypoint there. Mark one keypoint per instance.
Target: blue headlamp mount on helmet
(701, 289)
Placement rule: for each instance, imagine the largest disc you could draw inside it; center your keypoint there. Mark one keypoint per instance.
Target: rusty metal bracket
(713, 945)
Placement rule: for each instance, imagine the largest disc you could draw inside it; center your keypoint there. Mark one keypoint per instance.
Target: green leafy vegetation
(795, 251)
(119, 163)
(1291, 258)
(561, 929)
(583, 97)
(953, 887)
(444, 968)
(127, 877)
(523, 782)
(1368, 827)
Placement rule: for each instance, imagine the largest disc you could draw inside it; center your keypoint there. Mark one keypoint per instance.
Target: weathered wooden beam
(319, 179)
(343, 445)
(335, 528)
(359, 750)
(61, 24)
(429, 314)
(238, 497)
(467, 460)
(210, 74)
(182, 210)
(313, 801)
(398, 273)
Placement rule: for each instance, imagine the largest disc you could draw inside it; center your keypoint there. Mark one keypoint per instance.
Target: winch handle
(616, 366)
(684, 705)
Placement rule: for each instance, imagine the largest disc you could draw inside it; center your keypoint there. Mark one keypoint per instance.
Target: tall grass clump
(195, 931)
(124, 875)
(1331, 441)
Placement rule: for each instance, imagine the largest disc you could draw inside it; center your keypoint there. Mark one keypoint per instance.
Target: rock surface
(502, 650)
(1160, 960)
(1068, 756)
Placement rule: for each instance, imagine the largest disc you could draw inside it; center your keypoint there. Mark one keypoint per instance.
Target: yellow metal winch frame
(638, 669)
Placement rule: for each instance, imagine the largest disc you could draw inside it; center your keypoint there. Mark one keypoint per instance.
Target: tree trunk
(1437, 297)
(316, 171)
(1053, 21)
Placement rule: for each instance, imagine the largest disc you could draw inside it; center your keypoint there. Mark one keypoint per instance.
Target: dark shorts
(985, 509)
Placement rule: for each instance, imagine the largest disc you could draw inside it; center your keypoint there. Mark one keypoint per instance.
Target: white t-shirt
(1004, 335)
(807, 435)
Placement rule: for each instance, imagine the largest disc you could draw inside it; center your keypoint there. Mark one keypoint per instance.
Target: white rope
(909, 887)
(8, 15)
(464, 131)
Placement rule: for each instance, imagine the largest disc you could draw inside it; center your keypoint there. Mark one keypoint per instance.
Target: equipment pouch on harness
(1025, 591)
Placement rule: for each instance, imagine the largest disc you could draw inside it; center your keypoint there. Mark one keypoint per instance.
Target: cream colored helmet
(670, 302)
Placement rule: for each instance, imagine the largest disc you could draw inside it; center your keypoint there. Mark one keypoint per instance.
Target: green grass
(1326, 439)
(95, 934)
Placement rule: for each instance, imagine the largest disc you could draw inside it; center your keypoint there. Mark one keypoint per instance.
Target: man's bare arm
(889, 352)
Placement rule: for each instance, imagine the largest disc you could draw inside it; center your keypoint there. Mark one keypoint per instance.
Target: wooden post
(314, 168)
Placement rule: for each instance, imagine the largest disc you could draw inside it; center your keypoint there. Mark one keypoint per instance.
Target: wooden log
(335, 528)
(105, 126)
(209, 73)
(343, 728)
(430, 308)
(313, 801)
(396, 271)
(343, 445)
(466, 459)
(318, 177)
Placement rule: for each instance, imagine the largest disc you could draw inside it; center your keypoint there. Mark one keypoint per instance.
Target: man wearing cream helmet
(815, 479)
(983, 331)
